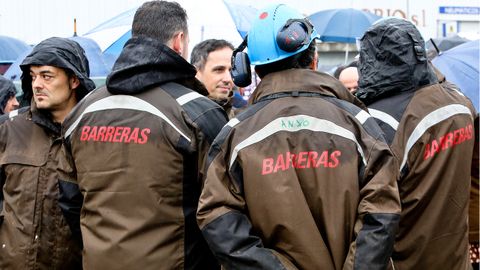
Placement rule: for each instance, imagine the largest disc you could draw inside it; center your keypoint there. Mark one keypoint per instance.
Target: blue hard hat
(262, 38)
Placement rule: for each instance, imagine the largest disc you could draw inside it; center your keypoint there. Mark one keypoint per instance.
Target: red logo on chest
(115, 134)
(302, 160)
(449, 140)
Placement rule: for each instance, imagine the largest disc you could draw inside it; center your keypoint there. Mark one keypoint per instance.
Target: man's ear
(179, 43)
(74, 82)
(198, 75)
(313, 65)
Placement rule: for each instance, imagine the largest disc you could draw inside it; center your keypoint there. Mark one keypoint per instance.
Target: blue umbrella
(342, 25)
(10, 49)
(460, 65)
(96, 61)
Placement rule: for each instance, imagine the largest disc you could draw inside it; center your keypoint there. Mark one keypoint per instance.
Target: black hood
(62, 53)
(392, 60)
(145, 63)
(7, 90)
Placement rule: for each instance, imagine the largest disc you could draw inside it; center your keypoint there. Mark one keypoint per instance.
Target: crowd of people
(375, 167)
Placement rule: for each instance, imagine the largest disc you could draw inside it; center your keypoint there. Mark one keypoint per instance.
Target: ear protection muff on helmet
(241, 72)
(294, 34)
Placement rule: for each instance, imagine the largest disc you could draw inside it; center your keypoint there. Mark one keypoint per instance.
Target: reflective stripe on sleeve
(362, 116)
(384, 117)
(188, 97)
(233, 122)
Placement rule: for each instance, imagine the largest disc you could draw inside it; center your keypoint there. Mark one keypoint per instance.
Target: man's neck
(59, 115)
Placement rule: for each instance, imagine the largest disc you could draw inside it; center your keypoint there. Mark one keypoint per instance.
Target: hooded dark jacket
(7, 90)
(34, 234)
(138, 145)
(429, 126)
(300, 180)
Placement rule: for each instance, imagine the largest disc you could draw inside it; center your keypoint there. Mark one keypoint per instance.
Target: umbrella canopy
(112, 35)
(460, 65)
(342, 25)
(97, 65)
(242, 16)
(14, 72)
(10, 49)
(446, 43)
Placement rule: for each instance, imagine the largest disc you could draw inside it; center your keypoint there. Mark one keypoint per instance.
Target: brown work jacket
(34, 233)
(300, 180)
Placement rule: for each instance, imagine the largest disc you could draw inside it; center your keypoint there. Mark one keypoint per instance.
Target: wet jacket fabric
(300, 180)
(429, 125)
(34, 233)
(138, 146)
(7, 90)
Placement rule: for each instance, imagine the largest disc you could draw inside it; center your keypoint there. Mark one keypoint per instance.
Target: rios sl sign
(418, 20)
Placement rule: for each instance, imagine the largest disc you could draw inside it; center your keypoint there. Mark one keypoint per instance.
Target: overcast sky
(35, 20)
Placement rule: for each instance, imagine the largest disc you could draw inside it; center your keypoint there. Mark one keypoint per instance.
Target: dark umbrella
(460, 65)
(445, 43)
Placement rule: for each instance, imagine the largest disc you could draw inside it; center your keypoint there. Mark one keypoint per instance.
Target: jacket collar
(43, 118)
(145, 63)
(304, 80)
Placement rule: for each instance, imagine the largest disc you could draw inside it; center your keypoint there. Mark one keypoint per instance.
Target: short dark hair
(159, 20)
(200, 52)
(300, 60)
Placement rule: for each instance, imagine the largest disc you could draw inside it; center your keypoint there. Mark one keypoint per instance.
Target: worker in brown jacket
(429, 125)
(8, 99)
(212, 59)
(34, 233)
(139, 146)
(301, 179)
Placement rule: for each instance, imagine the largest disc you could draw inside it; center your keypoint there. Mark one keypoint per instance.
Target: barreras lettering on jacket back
(115, 134)
(449, 140)
(302, 160)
